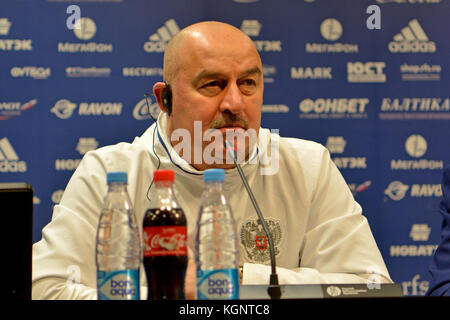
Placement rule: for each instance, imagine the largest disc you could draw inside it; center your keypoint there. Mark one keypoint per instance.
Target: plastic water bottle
(216, 244)
(118, 249)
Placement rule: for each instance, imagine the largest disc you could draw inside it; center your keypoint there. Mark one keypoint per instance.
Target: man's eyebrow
(207, 74)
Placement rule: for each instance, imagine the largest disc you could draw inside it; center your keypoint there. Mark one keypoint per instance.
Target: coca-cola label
(165, 241)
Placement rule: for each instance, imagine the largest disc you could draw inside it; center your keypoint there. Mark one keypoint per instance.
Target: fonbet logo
(141, 110)
(85, 29)
(311, 73)
(412, 38)
(12, 109)
(157, 42)
(9, 160)
(84, 145)
(337, 145)
(64, 108)
(252, 28)
(331, 30)
(397, 190)
(416, 146)
(12, 44)
(333, 108)
(415, 109)
(366, 71)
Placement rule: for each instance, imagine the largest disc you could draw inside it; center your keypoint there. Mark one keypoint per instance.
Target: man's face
(220, 84)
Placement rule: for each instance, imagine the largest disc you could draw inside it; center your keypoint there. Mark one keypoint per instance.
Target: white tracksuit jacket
(319, 232)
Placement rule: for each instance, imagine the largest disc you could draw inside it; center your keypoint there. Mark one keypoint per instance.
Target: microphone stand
(274, 289)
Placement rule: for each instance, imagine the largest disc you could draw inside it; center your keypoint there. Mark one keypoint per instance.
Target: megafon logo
(9, 160)
(412, 38)
(158, 41)
(11, 109)
(331, 30)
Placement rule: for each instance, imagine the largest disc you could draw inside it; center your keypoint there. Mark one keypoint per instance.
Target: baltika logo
(412, 38)
(12, 109)
(158, 41)
(416, 146)
(9, 160)
(252, 28)
(141, 110)
(396, 190)
(331, 30)
(415, 109)
(85, 29)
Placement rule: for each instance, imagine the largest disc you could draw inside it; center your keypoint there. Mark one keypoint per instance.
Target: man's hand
(190, 281)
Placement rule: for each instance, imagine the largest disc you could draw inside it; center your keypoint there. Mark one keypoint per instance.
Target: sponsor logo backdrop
(377, 99)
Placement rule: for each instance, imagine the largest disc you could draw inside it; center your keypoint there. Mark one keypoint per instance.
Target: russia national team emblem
(254, 240)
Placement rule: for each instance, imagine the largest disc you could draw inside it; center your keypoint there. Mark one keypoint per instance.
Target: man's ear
(158, 89)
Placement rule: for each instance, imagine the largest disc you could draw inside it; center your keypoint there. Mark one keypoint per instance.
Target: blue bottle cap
(214, 175)
(116, 176)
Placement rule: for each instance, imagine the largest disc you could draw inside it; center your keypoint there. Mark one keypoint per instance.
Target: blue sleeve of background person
(440, 266)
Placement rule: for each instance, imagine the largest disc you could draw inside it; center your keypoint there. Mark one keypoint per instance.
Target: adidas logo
(412, 38)
(9, 160)
(158, 41)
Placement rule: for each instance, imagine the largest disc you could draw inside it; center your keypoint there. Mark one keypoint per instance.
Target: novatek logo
(12, 109)
(252, 28)
(416, 146)
(64, 108)
(412, 38)
(311, 73)
(9, 160)
(333, 108)
(420, 232)
(415, 109)
(158, 41)
(366, 71)
(12, 44)
(37, 73)
(331, 30)
(397, 190)
(85, 29)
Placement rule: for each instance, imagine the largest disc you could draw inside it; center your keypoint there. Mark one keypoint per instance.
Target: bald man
(213, 90)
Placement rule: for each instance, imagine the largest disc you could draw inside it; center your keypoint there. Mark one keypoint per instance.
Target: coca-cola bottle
(165, 237)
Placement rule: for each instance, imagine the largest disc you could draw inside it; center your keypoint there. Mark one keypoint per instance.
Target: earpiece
(166, 96)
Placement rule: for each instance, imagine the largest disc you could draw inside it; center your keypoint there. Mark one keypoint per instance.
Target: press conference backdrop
(372, 87)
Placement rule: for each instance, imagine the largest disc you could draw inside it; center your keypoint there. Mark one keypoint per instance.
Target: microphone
(274, 289)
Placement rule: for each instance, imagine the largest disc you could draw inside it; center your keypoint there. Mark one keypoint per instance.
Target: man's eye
(212, 84)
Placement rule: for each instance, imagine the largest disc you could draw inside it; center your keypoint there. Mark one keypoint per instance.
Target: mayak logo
(12, 44)
(141, 110)
(64, 108)
(84, 145)
(331, 30)
(412, 38)
(85, 29)
(157, 42)
(337, 145)
(366, 71)
(34, 72)
(416, 146)
(252, 28)
(415, 109)
(311, 73)
(420, 232)
(9, 160)
(12, 109)
(397, 190)
(424, 72)
(333, 108)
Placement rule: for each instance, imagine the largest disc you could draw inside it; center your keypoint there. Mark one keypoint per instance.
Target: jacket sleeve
(338, 245)
(64, 259)
(440, 265)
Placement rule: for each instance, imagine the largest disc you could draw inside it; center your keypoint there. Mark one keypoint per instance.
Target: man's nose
(233, 100)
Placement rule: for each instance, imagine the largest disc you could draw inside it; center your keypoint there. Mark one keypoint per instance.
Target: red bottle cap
(163, 175)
